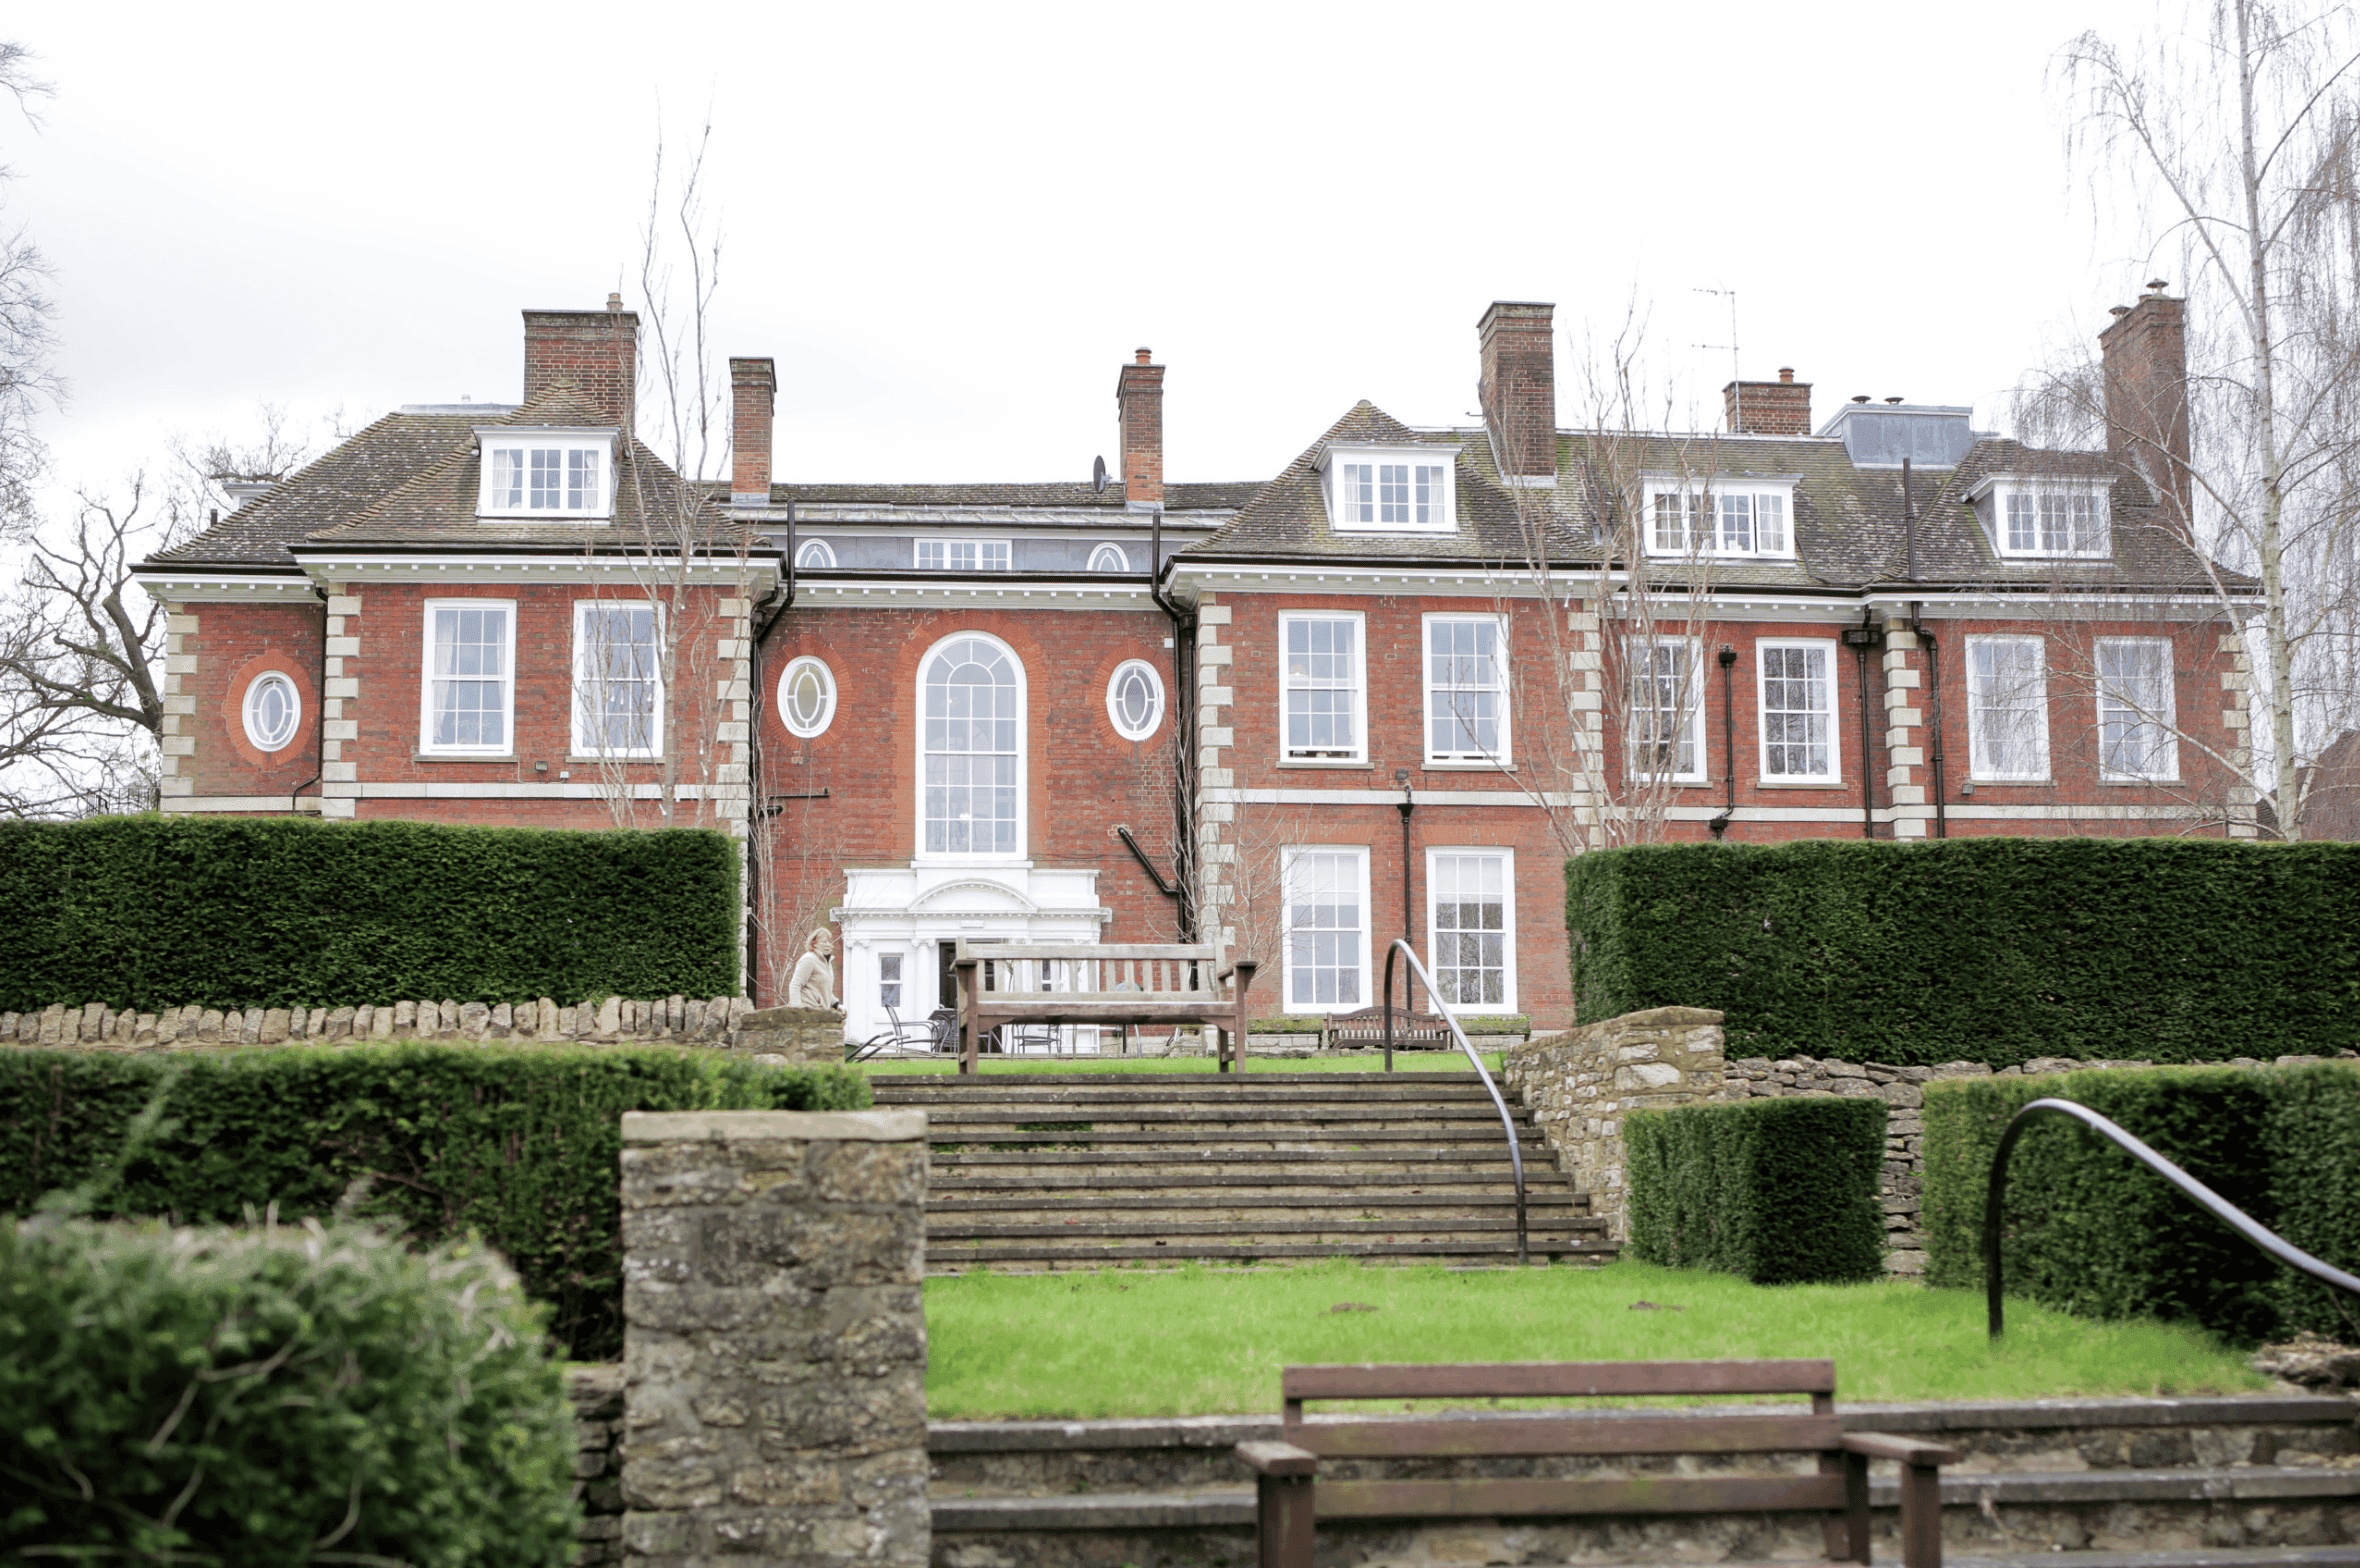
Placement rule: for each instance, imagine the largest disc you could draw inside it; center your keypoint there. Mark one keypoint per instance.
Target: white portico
(899, 923)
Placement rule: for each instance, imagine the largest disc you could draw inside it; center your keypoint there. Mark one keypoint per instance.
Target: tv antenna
(1098, 476)
(1737, 383)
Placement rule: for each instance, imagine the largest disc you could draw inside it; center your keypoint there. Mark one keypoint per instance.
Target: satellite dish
(1098, 476)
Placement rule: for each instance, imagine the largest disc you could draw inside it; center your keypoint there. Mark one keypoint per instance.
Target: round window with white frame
(806, 697)
(1109, 558)
(1135, 699)
(272, 710)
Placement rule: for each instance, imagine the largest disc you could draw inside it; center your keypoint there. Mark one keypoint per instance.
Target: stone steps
(1062, 1171)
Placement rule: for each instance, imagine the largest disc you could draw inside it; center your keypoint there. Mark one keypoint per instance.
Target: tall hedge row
(2089, 1230)
(274, 1395)
(154, 912)
(521, 1146)
(1993, 949)
(1779, 1192)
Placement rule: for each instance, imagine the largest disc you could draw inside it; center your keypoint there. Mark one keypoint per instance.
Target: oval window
(273, 708)
(1109, 558)
(817, 556)
(1135, 699)
(807, 696)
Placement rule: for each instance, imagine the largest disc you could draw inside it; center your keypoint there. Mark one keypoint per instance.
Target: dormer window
(1737, 518)
(1392, 490)
(2045, 519)
(554, 475)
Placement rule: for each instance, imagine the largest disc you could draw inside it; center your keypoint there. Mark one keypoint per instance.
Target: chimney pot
(614, 302)
(1139, 414)
(1140, 356)
(2155, 285)
(2118, 311)
(1519, 384)
(1786, 375)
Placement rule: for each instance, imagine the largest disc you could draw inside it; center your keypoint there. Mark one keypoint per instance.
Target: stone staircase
(2254, 1481)
(1039, 1172)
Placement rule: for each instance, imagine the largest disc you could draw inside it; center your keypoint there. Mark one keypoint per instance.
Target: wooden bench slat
(1531, 1379)
(1437, 1438)
(1634, 1495)
(1059, 1007)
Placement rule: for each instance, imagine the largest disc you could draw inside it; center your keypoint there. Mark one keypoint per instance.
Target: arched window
(1135, 699)
(816, 555)
(807, 697)
(970, 743)
(272, 710)
(1109, 558)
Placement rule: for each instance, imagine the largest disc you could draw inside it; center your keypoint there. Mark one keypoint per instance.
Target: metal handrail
(1515, 1150)
(2212, 1202)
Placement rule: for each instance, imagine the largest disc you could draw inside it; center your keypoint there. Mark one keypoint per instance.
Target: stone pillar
(792, 1036)
(774, 1350)
(1581, 1083)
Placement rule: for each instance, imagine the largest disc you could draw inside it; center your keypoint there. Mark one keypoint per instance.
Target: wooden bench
(1100, 983)
(1365, 1031)
(1292, 1498)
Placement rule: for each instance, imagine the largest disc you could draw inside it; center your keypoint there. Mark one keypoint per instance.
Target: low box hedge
(1778, 1192)
(2091, 1231)
(282, 1395)
(1474, 1025)
(522, 1146)
(143, 913)
(1993, 950)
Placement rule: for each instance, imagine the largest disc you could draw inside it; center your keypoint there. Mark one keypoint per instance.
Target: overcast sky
(950, 224)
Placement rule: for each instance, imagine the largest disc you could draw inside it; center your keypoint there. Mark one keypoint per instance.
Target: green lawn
(1403, 1061)
(1199, 1342)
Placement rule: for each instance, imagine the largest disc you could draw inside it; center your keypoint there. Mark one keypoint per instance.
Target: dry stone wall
(616, 1020)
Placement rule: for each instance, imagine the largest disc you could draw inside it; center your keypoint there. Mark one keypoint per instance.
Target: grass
(1198, 1342)
(1403, 1061)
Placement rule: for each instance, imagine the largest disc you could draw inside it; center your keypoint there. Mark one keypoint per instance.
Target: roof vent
(1862, 398)
(1896, 400)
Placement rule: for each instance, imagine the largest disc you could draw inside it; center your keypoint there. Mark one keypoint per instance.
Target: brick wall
(215, 653)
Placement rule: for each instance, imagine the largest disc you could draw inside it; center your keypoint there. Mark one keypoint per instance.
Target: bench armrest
(1877, 1445)
(1278, 1458)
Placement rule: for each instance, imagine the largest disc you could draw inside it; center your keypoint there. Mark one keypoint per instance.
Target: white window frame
(1110, 558)
(2165, 721)
(1721, 541)
(1023, 758)
(986, 552)
(1312, 756)
(426, 743)
(1507, 859)
(1997, 496)
(492, 440)
(898, 980)
(1114, 713)
(1291, 856)
(1426, 468)
(1500, 756)
(581, 740)
(815, 555)
(786, 708)
(1835, 711)
(1693, 720)
(1981, 701)
(246, 706)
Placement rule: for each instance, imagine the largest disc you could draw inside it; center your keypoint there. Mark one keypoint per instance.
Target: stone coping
(747, 1126)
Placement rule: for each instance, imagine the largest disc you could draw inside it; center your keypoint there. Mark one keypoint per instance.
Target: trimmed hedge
(1475, 1025)
(2091, 1231)
(151, 912)
(1779, 1192)
(1994, 950)
(289, 1395)
(520, 1146)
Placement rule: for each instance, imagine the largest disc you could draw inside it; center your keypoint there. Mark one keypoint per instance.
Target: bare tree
(2238, 146)
(28, 380)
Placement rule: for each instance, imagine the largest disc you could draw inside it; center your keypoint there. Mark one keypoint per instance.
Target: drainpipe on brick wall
(1862, 638)
(319, 698)
(1933, 714)
(1720, 824)
(1408, 804)
(1183, 712)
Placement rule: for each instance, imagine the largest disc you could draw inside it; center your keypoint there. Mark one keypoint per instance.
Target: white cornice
(523, 570)
(887, 516)
(1015, 594)
(185, 585)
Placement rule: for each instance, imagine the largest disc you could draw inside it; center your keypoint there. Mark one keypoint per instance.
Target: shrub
(2091, 1231)
(274, 1396)
(1994, 950)
(1780, 1192)
(152, 912)
(520, 1146)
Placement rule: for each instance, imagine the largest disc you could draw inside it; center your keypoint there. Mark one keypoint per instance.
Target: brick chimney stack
(1768, 408)
(1139, 398)
(2146, 366)
(753, 399)
(1519, 385)
(592, 353)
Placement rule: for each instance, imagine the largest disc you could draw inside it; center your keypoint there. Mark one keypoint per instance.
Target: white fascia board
(526, 570)
(1475, 582)
(181, 585)
(844, 516)
(835, 592)
(2028, 606)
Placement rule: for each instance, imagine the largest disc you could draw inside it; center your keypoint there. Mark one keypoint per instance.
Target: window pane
(1466, 696)
(1470, 929)
(1324, 930)
(1322, 680)
(2007, 708)
(1663, 709)
(466, 697)
(2135, 738)
(968, 784)
(581, 481)
(1797, 713)
(2021, 535)
(1737, 523)
(1770, 523)
(619, 678)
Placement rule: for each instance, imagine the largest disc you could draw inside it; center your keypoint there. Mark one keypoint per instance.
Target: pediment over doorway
(973, 896)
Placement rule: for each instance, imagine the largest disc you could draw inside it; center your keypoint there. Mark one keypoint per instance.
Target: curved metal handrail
(1515, 1150)
(2212, 1202)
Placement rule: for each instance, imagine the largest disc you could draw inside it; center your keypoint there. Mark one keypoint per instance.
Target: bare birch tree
(2237, 148)
(28, 379)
